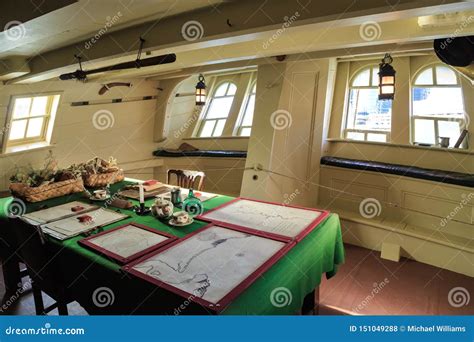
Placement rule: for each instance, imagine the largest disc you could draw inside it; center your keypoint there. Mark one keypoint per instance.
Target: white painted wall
(304, 89)
(175, 125)
(75, 137)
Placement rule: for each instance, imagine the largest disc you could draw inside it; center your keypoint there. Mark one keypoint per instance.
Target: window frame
(239, 126)
(349, 87)
(436, 119)
(48, 120)
(207, 107)
(241, 79)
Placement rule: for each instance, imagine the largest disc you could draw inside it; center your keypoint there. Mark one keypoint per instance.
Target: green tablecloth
(298, 272)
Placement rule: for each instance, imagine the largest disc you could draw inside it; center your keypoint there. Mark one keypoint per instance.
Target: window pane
(367, 112)
(219, 128)
(17, 130)
(425, 77)
(445, 75)
(39, 105)
(248, 116)
(208, 128)
(21, 108)
(245, 131)
(254, 89)
(375, 77)
(35, 127)
(232, 89)
(221, 90)
(355, 135)
(424, 131)
(438, 101)
(219, 108)
(449, 129)
(362, 78)
(376, 137)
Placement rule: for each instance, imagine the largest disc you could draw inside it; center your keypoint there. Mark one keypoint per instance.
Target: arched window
(437, 106)
(245, 123)
(213, 122)
(367, 118)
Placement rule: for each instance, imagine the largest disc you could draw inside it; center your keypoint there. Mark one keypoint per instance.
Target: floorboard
(364, 285)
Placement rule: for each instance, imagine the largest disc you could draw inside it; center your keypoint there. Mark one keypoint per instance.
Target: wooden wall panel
(75, 138)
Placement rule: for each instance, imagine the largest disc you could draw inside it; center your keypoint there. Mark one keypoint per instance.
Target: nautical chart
(126, 242)
(209, 264)
(264, 217)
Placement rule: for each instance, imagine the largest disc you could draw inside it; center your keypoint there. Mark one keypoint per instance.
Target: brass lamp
(386, 79)
(200, 91)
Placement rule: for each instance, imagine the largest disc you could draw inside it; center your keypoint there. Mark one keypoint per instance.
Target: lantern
(200, 91)
(386, 79)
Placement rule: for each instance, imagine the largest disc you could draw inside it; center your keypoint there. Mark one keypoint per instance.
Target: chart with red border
(211, 266)
(127, 242)
(278, 221)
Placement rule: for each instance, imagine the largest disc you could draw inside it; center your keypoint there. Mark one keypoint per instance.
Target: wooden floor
(369, 285)
(364, 285)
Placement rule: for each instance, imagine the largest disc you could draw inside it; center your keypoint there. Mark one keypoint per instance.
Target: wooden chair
(188, 179)
(43, 268)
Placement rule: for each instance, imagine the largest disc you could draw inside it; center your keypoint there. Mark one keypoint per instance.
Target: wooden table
(299, 271)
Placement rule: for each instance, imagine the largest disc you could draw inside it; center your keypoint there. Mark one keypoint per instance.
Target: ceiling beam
(21, 11)
(250, 21)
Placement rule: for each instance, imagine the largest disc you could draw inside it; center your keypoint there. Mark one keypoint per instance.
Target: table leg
(10, 262)
(11, 275)
(311, 303)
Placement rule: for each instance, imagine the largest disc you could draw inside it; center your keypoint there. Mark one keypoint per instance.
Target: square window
(35, 127)
(17, 129)
(207, 128)
(376, 137)
(424, 132)
(245, 131)
(21, 108)
(219, 128)
(31, 120)
(449, 129)
(355, 136)
(39, 106)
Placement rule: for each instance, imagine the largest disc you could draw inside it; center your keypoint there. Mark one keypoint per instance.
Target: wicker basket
(103, 179)
(44, 192)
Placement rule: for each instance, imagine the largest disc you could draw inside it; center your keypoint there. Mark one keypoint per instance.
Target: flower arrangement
(38, 185)
(50, 173)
